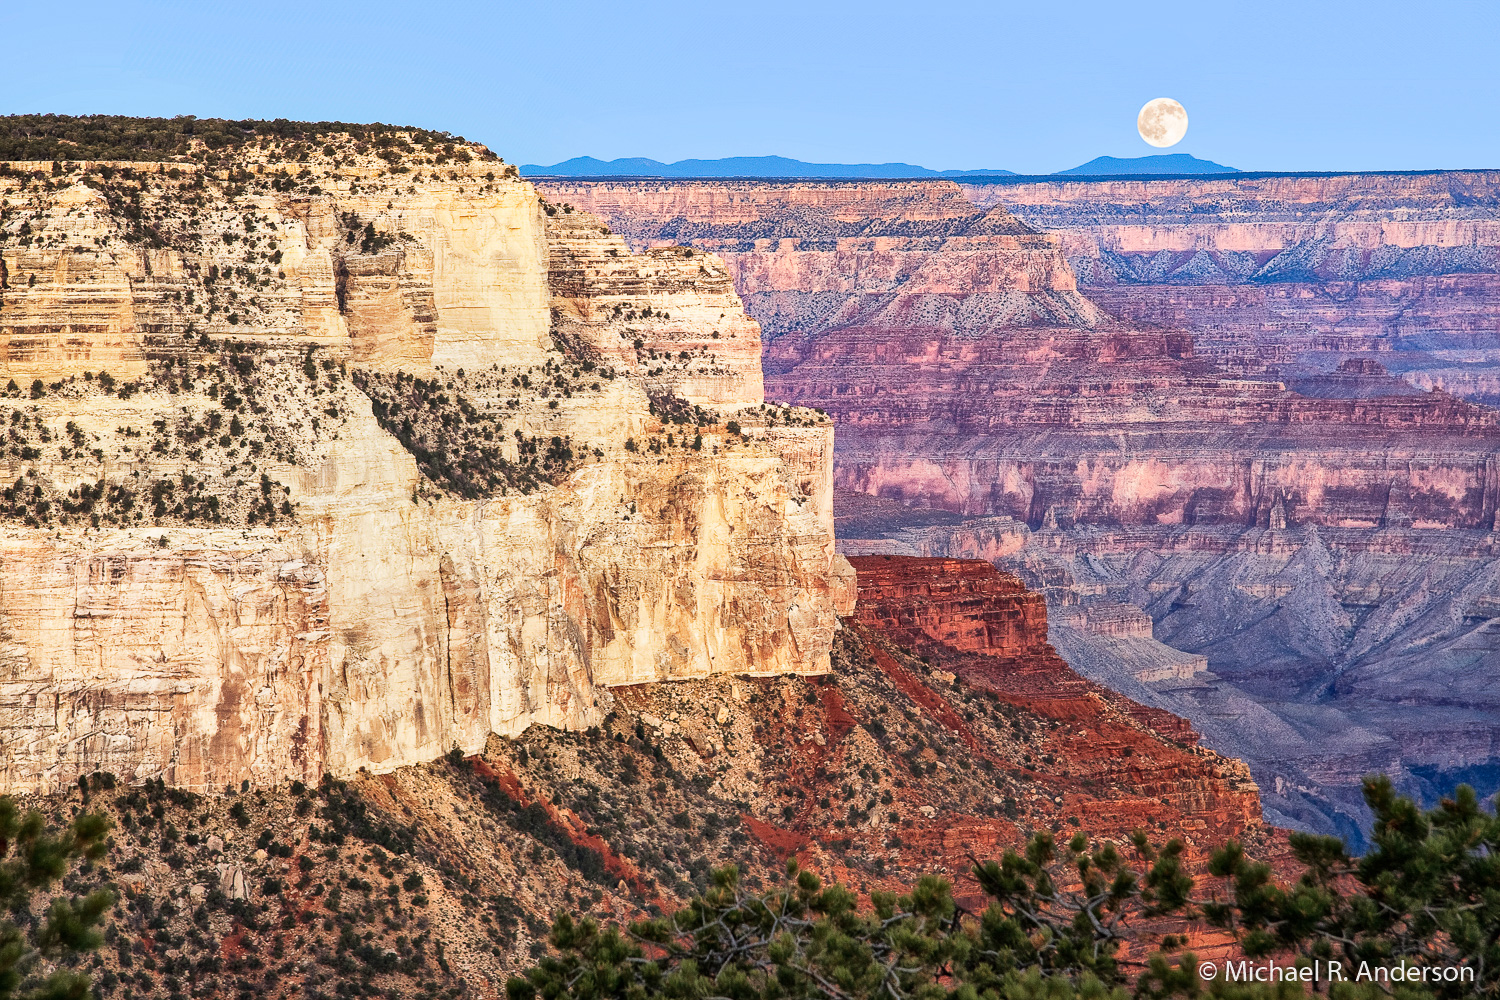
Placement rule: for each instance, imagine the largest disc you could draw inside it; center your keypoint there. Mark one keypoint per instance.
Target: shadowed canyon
(1234, 429)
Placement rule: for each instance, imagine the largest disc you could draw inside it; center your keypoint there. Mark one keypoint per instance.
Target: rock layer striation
(328, 465)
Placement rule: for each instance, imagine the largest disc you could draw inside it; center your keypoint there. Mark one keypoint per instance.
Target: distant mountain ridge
(739, 166)
(782, 166)
(1161, 163)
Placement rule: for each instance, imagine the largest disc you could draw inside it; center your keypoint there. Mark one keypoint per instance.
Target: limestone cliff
(339, 462)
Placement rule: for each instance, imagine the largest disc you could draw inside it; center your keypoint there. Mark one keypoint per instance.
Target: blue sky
(1032, 87)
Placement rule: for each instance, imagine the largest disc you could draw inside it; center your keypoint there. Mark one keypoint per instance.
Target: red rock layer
(963, 603)
(1118, 763)
(1017, 427)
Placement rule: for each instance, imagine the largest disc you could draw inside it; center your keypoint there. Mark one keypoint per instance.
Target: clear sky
(1032, 87)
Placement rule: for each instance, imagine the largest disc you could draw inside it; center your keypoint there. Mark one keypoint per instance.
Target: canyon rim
(317, 463)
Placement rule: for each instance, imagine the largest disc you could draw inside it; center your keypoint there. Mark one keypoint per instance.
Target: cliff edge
(337, 455)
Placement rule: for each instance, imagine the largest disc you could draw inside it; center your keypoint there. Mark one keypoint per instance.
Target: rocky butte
(331, 455)
(1045, 374)
(1291, 274)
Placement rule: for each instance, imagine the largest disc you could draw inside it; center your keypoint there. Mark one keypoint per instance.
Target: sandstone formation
(989, 631)
(344, 462)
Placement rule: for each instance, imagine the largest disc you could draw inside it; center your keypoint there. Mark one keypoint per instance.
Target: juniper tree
(35, 951)
(1059, 921)
(806, 940)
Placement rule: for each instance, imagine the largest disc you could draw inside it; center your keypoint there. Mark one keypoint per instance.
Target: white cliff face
(462, 619)
(489, 275)
(382, 623)
(188, 662)
(670, 316)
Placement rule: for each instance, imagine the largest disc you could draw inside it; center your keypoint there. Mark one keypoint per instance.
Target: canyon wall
(1281, 274)
(1332, 227)
(817, 254)
(911, 758)
(1318, 655)
(1203, 450)
(321, 466)
(1035, 411)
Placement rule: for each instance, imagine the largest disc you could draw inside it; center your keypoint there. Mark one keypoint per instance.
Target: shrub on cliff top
(119, 137)
(34, 954)
(1060, 922)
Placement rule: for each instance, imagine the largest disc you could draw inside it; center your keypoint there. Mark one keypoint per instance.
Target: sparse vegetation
(115, 137)
(1060, 918)
(263, 406)
(463, 429)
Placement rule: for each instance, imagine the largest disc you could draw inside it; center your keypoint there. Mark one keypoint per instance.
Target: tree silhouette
(35, 952)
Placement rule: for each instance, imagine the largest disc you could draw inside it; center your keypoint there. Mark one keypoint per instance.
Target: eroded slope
(1306, 531)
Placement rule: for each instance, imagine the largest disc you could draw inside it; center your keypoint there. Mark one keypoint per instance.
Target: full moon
(1162, 122)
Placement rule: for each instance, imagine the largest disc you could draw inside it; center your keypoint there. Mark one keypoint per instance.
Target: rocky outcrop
(1318, 655)
(221, 561)
(669, 316)
(808, 255)
(989, 631)
(964, 604)
(84, 310)
(1125, 633)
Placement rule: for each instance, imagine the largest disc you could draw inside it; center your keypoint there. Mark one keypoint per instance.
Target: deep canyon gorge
(1234, 428)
